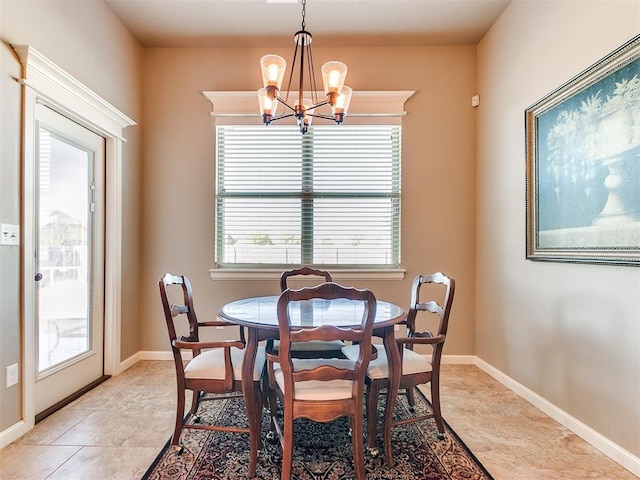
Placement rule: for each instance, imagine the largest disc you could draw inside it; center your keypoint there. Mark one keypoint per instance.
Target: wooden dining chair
(320, 389)
(302, 272)
(417, 369)
(215, 366)
(316, 348)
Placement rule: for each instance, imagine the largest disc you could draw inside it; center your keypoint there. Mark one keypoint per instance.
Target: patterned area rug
(322, 451)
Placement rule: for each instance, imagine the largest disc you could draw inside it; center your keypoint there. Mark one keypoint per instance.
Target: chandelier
(273, 67)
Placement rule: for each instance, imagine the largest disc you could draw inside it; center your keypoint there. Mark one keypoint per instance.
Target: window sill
(274, 274)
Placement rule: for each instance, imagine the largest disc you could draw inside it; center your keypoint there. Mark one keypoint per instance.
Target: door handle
(38, 277)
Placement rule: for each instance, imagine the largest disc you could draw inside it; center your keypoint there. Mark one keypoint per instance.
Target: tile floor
(116, 430)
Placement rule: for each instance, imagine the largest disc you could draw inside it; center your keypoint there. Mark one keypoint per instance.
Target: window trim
(367, 108)
(338, 274)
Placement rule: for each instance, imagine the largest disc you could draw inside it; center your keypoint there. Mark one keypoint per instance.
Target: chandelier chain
(304, 13)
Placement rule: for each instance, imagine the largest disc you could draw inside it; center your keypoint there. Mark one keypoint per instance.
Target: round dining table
(259, 316)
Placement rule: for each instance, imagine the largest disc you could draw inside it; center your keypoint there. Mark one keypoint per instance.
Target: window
(330, 197)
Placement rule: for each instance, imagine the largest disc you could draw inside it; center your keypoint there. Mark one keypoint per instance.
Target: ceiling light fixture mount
(304, 109)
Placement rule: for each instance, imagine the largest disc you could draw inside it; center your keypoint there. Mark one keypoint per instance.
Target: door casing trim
(45, 82)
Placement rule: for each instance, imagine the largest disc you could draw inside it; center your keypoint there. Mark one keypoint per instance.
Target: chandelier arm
(301, 79)
(312, 76)
(317, 105)
(282, 116)
(283, 102)
(295, 55)
(320, 115)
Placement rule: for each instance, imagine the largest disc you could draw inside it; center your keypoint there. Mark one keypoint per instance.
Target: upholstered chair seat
(315, 389)
(412, 362)
(210, 364)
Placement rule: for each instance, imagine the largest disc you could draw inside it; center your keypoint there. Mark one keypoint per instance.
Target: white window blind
(330, 197)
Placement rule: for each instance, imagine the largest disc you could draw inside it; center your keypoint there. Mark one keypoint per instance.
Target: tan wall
(570, 333)
(90, 43)
(438, 171)
(10, 351)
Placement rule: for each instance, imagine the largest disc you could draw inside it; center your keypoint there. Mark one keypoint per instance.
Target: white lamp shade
(343, 101)
(273, 67)
(267, 105)
(333, 76)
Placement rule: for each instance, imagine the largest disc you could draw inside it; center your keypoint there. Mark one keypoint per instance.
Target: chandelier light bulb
(268, 105)
(273, 74)
(343, 101)
(341, 106)
(333, 76)
(273, 67)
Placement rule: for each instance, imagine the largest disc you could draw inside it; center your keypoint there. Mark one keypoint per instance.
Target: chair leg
(273, 408)
(372, 413)
(175, 440)
(195, 403)
(264, 390)
(357, 446)
(411, 398)
(435, 401)
(254, 436)
(287, 446)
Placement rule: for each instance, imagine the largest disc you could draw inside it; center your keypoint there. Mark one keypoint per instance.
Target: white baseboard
(129, 362)
(459, 359)
(606, 446)
(13, 433)
(149, 355)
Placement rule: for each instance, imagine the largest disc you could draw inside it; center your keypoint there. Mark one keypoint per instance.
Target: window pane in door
(64, 221)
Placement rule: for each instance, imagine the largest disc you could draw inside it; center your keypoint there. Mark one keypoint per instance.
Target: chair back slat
(361, 333)
(181, 304)
(440, 307)
(327, 332)
(303, 271)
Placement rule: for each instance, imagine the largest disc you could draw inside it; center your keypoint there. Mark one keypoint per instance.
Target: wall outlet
(475, 100)
(12, 375)
(9, 234)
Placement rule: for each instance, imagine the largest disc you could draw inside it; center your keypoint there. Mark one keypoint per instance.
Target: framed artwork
(583, 165)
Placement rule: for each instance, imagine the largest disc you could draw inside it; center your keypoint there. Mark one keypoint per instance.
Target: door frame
(44, 82)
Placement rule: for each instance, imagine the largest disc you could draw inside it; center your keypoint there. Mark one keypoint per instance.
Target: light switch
(11, 375)
(9, 234)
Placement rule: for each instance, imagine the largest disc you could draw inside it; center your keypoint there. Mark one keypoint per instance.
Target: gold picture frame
(583, 165)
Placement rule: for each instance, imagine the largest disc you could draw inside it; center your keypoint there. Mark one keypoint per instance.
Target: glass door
(69, 258)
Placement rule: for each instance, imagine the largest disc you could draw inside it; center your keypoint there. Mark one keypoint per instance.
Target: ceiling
(254, 23)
